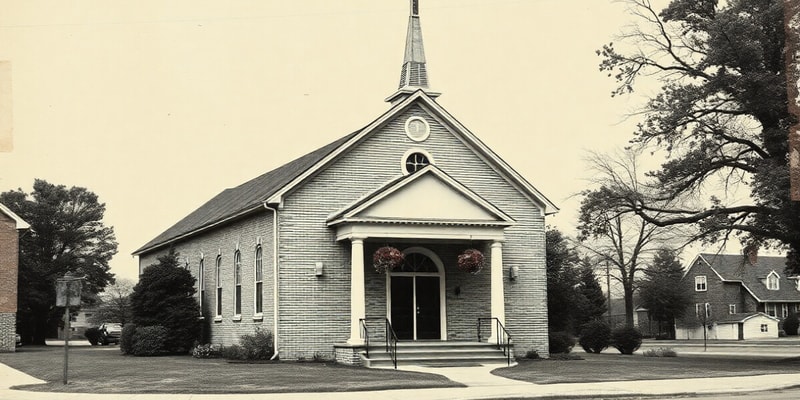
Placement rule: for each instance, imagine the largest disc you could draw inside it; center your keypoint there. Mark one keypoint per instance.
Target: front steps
(436, 353)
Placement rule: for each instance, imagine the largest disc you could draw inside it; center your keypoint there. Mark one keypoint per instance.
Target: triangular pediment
(427, 196)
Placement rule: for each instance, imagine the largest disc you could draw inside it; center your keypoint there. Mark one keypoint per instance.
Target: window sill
(258, 317)
(218, 318)
(236, 318)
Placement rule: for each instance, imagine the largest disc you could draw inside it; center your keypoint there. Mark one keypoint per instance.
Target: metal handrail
(391, 338)
(503, 338)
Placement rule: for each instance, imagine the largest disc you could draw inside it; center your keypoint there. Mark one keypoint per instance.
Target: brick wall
(305, 239)
(224, 241)
(9, 263)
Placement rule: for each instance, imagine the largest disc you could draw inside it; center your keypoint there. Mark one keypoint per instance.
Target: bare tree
(114, 305)
(614, 234)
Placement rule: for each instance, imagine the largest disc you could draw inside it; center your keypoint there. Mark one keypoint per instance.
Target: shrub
(626, 339)
(206, 351)
(150, 341)
(321, 357)
(561, 342)
(126, 338)
(259, 345)
(790, 324)
(595, 336)
(93, 335)
(660, 352)
(233, 352)
(532, 355)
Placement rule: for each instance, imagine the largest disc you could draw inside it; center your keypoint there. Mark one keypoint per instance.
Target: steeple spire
(414, 74)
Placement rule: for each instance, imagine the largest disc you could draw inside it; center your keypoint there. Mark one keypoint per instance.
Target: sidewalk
(481, 385)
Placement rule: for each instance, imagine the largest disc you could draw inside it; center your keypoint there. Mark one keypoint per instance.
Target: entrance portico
(457, 216)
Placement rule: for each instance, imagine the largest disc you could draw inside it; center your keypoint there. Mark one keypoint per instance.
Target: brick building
(738, 296)
(291, 250)
(10, 227)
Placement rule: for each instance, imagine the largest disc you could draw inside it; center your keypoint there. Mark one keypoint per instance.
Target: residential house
(11, 227)
(737, 296)
(292, 250)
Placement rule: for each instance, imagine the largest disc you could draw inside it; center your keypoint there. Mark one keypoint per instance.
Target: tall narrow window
(772, 309)
(259, 281)
(772, 281)
(731, 308)
(784, 310)
(201, 283)
(218, 278)
(237, 281)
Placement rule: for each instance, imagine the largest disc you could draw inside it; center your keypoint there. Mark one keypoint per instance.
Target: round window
(417, 129)
(416, 162)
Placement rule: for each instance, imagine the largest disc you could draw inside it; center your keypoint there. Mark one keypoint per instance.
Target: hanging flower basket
(387, 258)
(471, 260)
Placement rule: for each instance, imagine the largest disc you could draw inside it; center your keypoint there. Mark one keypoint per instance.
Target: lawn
(105, 370)
(616, 367)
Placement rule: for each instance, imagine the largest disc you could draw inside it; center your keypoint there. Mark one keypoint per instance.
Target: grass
(105, 370)
(607, 367)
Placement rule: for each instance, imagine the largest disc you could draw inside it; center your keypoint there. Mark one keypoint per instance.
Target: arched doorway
(415, 296)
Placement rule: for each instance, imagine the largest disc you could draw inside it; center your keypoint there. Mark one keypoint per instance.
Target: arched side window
(259, 282)
(218, 279)
(237, 282)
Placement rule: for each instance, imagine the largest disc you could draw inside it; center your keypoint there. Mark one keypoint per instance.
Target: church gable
(428, 195)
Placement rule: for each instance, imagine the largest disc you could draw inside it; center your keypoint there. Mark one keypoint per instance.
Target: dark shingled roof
(736, 268)
(245, 197)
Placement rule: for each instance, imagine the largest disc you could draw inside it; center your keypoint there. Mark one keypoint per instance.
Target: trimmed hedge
(595, 336)
(561, 342)
(126, 338)
(626, 339)
(150, 341)
(93, 335)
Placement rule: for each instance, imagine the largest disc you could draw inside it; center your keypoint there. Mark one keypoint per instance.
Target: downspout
(275, 335)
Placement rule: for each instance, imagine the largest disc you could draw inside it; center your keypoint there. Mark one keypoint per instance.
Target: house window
(218, 277)
(772, 281)
(771, 309)
(702, 310)
(784, 310)
(416, 162)
(237, 281)
(764, 328)
(201, 283)
(731, 308)
(259, 278)
(700, 283)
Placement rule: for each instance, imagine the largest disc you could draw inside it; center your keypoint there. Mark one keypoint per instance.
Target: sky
(158, 106)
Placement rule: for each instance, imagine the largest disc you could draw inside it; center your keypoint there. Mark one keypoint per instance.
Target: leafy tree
(165, 296)
(661, 291)
(593, 302)
(114, 303)
(721, 116)
(67, 235)
(562, 281)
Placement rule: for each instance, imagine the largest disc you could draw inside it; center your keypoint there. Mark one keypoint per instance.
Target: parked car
(106, 333)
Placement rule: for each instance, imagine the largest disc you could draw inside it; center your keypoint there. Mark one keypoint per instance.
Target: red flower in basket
(387, 258)
(471, 260)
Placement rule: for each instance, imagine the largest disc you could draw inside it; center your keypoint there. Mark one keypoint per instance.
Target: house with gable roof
(11, 227)
(292, 250)
(738, 296)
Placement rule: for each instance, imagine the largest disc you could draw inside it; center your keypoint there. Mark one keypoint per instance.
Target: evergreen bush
(126, 338)
(150, 341)
(790, 324)
(93, 335)
(595, 336)
(561, 342)
(626, 339)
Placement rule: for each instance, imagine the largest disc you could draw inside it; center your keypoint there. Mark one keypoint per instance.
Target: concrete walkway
(481, 385)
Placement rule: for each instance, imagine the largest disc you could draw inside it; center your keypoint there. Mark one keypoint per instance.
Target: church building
(409, 228)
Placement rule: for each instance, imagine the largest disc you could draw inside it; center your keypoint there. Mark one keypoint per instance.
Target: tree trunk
(628, 304)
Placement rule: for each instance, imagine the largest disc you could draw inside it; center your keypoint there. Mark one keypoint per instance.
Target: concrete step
(436, 353)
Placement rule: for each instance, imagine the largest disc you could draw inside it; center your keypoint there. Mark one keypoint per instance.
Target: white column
(498, 297)
(358, 307)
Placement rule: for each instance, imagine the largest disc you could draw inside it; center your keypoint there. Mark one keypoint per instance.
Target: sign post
(68, 293)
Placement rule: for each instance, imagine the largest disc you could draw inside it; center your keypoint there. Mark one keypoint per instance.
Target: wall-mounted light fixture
(513, 272)
(318, 269)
